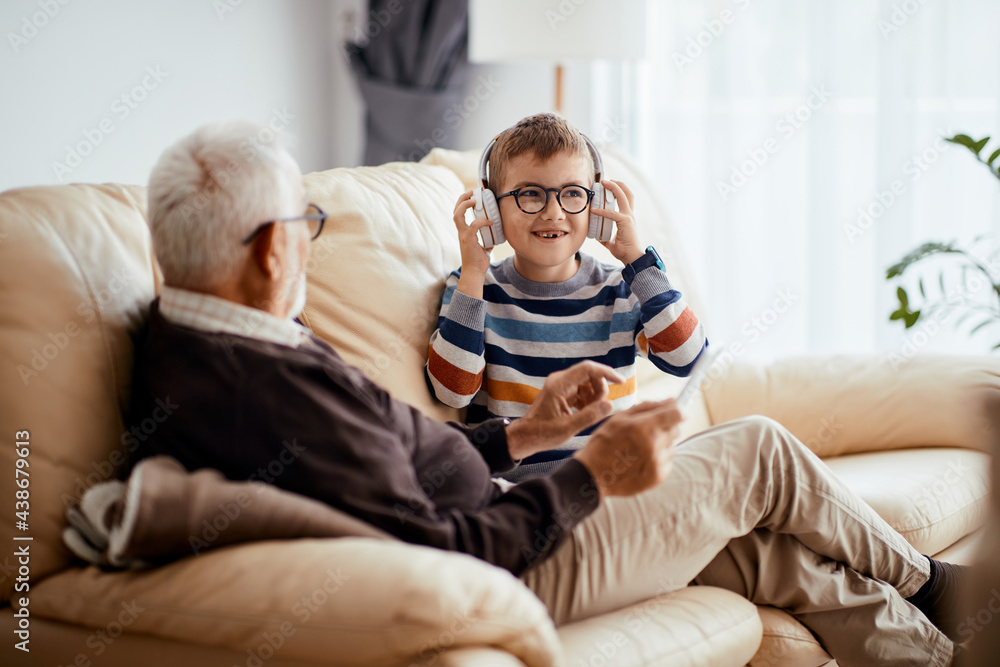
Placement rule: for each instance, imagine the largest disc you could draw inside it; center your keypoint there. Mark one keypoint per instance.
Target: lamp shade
(556, 30)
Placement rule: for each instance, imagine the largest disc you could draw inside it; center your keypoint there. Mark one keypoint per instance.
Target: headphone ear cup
(609, 224)
(595, 230)
(486, 207)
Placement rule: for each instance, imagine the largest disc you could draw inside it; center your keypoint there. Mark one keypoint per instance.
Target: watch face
(659, 262)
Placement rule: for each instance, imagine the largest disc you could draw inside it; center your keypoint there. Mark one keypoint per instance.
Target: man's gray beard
(300, 289)
(300, 297)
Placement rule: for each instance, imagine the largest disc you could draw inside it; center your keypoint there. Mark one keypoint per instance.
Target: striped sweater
(494, 354)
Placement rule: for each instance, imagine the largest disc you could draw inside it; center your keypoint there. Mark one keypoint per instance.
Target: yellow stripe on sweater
(516, 392)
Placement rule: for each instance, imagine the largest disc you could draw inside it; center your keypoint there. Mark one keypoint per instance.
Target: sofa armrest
(346, 602)
(847, 404)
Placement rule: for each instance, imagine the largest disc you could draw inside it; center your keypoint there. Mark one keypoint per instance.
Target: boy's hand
(570, 401)
(475, 259)
(625, 246)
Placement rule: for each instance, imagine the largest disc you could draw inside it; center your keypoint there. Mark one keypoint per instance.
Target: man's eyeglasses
(534, 198)
(314, 215)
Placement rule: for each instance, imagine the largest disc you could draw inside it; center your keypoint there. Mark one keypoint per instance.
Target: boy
(505, 327)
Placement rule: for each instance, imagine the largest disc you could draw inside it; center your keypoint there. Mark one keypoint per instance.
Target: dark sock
(938, 597)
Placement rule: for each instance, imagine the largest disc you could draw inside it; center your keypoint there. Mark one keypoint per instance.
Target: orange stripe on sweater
(516, 392)
(675, 335)
(455, 379)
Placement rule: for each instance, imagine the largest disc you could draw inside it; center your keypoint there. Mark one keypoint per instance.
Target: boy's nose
(552, 208)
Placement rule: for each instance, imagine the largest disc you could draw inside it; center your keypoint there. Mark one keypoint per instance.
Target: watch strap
(648, 259)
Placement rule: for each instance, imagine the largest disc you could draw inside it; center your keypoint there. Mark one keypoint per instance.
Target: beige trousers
(748, 508)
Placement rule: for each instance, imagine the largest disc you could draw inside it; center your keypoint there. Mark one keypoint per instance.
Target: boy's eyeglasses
(534, 198)
(314, 215)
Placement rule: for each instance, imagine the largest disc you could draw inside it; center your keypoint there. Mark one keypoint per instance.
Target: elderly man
(744, 506)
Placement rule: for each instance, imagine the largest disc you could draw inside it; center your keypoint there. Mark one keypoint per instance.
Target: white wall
(63, 80)
(67, 79)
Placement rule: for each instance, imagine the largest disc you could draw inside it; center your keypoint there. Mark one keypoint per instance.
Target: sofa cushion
(66, 644)
(76, 274)
(967, 549)
(344, 601)
(376, 274)
(848, 404)
(787, 642)
(697, 625)
(933, 497)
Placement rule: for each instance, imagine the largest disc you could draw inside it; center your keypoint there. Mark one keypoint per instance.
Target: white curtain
(799, 149)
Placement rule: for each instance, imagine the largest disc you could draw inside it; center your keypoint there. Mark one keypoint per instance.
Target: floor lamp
(556, 31)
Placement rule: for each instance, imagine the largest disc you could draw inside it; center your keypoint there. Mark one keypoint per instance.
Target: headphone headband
(484, 160)
(595, 156)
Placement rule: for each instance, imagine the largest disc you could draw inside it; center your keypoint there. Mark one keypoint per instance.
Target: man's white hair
(209, 191)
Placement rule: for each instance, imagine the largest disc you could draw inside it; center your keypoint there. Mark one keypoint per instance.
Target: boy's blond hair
(544, 135)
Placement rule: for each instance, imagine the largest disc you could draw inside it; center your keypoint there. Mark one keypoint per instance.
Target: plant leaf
(982, 324)
(978, 146)
(963, 317)
(993, 156)
(901, 313)
(904, 301)
(997, 346)
(962, 140)
(917, 254)
(912, 318)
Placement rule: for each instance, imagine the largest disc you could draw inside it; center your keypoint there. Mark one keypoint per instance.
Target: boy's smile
(545, 243)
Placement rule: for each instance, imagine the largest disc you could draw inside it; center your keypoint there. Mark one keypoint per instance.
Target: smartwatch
(650, 258)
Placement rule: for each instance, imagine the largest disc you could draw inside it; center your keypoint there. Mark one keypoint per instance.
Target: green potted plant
(974, 271)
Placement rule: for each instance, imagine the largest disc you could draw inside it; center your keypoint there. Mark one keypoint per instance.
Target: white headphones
(600, 228)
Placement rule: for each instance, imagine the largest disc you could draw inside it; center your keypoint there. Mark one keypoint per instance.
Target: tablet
(700, 371)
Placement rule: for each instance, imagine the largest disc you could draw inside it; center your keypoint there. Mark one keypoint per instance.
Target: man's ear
(266, 251)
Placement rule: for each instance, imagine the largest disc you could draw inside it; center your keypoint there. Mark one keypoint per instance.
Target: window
(799, 149)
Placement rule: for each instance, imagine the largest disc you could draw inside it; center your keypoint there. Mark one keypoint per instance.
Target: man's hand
(625, 246)
(633, 451)
(570, 401)
(475, 259)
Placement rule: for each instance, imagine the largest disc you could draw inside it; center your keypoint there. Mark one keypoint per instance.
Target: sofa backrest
(848, 404)
(376, 274)
(76, 275)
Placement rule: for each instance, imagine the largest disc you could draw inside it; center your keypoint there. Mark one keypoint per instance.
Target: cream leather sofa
(77, 272)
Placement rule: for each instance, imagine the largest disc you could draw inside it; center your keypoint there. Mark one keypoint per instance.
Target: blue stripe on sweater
(562, 332)
(550, 455)
(449, 292)
(459, 335)
(679, 371)
(619, 357)
(606, 296)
